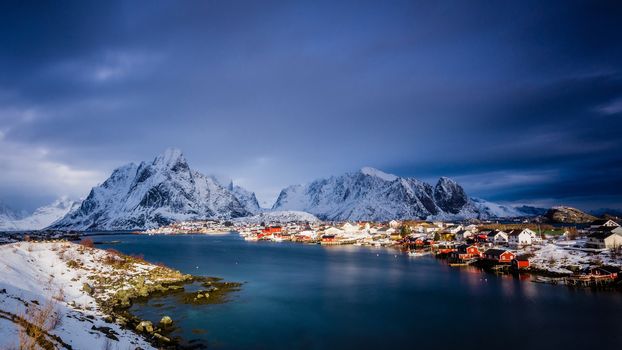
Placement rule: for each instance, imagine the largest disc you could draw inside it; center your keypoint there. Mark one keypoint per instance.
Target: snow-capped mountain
(7, 217)
(246, 198)
(151, 194)
(371, 194)
(495, 210)
(279, 217)
(39, 219)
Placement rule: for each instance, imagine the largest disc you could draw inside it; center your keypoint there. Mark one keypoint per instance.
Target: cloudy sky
(520, 102)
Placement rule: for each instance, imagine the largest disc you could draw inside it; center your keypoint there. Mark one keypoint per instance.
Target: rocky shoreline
(97, 288)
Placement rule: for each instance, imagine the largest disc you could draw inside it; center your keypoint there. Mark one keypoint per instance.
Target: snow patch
(378, 173)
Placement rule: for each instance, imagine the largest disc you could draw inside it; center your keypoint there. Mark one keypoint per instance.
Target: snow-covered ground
(35, 278)
(562, 258)
(279, 217)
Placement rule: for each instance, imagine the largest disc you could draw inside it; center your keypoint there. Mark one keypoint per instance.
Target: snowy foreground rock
(60, 287)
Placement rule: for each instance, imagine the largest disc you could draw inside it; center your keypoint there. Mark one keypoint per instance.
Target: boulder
(145, 326)
(161, 338)
(87, 288)
(166, 321)
(121, 321)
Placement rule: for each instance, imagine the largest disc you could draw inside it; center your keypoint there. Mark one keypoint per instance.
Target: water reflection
(313, 297)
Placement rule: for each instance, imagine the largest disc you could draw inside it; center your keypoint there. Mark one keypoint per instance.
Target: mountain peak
(450, 196)
(170, 158)
(378, 173)
(150, 195)
(446, 180)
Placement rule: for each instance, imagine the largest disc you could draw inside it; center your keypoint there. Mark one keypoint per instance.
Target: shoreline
(89, 292)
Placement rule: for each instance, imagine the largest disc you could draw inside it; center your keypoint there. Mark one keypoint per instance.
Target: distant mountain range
(41, 218)
(370, 194)
(166, 190)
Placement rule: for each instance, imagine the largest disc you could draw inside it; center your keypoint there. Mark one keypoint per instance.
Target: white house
(333, 231)
(349, 228)
(498, 237)
(520, 237)
(606, 239)
(471, 227)
(534, 236)
(604, 223)
(386, 230)
(312, 234)
(456, 229)
(463, 235)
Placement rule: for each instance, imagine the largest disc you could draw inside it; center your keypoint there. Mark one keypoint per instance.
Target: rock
(199, 296)
(3, 291)
(109, 332)
(450, 196)
(166, 321)
(161, 338)
(121, 321)
(87, 288)
(145, 326)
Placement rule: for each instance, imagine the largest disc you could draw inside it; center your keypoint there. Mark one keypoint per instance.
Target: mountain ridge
(370, 194)
(152, 194)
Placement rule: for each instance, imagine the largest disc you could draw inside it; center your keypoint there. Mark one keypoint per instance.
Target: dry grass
(87, 242)
(37, 322)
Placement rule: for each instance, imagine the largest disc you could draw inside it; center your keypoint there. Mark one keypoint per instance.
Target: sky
(520, 102)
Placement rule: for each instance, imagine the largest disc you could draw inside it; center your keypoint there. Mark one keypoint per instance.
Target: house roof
(515, 232)
(601, 222)
(603, 234)
(605, 229)
(496, 252)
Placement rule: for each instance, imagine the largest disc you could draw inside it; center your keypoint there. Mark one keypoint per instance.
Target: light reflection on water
(313, 297)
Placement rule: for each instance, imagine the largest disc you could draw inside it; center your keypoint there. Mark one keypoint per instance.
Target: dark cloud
(521, 101)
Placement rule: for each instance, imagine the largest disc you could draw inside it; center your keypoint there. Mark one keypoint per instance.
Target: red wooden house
(501, 256)
(466, 252)
(328, 238)
(272, 229)
(520, 263)
(269, 231)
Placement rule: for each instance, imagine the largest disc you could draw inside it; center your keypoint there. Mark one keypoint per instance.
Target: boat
(417, 254)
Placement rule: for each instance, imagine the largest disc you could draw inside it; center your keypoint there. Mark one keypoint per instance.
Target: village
(589, 255)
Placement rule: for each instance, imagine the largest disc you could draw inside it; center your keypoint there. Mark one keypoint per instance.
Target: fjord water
(298, 296)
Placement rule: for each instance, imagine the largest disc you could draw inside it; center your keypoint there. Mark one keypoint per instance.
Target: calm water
(311, 297)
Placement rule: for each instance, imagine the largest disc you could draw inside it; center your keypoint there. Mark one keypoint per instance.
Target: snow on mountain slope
(279, 217)
(246, 198)
(8, 216)
(371, 194)
(152, 194)
(40, 218)
(375, 172)
(496, 210)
